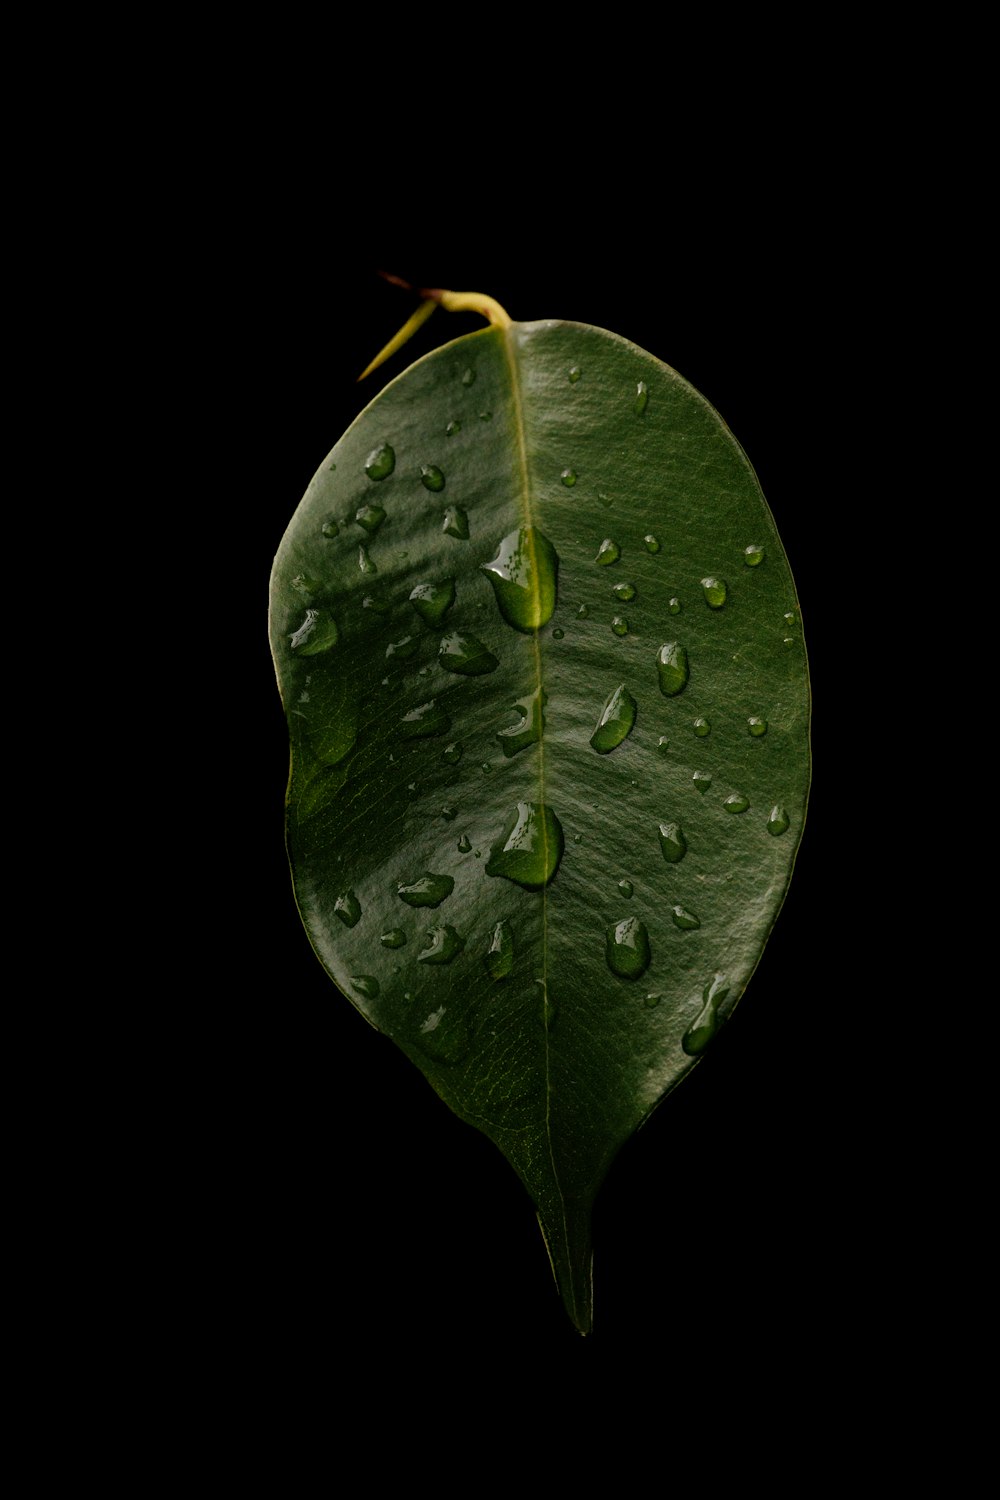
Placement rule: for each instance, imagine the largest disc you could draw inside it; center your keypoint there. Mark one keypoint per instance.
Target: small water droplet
(651, 1001)
(456, 523)
(452, 428)
(582, 612)
(672, 667)
(641, 397)
(736, 803)
(375, 604)
(486, 416)
(788, 641)
(625, 887)
(568, 477)
(432, 600)
(394, 938)
(624, 591)
(574, 374)
(463, 846)
(348, 908)
(330, 527)
(466, 655)
(431, 478)
(380, 462)
(366, 985)
(606, 500)
(530, 847)
(674, 605)
(500, 958)
(424, 722)
(529, 731)
(626, 948)
(558, 633)
(429, 890)
(449, 812)
(685, 920)
(616, 722)
(702, 781)
(715, 592)
(620, 625)
(608, 552)
(702, 727)
(318, 632)
(778, 822)
(364, 561)
(753, 555)
(789, 617)
(403, 648)
(370, 517)
(652, 545)
(434, 1020)
(757, 726)
(452, 754)
(578, 838)
(442, 943)
(524, 574)
(305, 586)
(672, 842)
(663, 745)
(468, 376)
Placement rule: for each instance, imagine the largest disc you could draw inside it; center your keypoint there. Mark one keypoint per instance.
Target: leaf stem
(479, 302)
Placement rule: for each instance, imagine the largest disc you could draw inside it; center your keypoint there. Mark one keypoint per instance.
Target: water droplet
(486, 767)
(432, 600)
(523, 575)
(366, 985)
(441, 945)
(433, 1021)
(456, 523)
(452, 428)
(370, 517)
(318, 632)
(702, 781)
(431, 478)
(625, 887)
(568, 477)
(348, 908)
(375, 604)
(651, 1001)
(330, 527)
(778, 822)
(627, 948)
(674, 605)
(452, 754)
(788, 641)
(449, 812)
(652, 545)
(307, 587)
(608, 552)
(663, 745)
(486, 416)
(500, 958)
(468, 376)
(624, 591)
(715, 592)
(702, 727)
(753, 555)
(558, 633)
(641, 397)
(701, 1031)
(393, 939)
(364, 561)
(620, 625)
(616, 721)
(574, 374)
(736, 803)
(529, 731)
(673, 669)
(429, 890)
(757, 726)
(578, 838)
(789, 617)
(685, 920)
(606, 500)
(404, 648)
(672, 842)
(530, 847)
(424, 722)
(466, 655)
(380, 462)
(582, 612)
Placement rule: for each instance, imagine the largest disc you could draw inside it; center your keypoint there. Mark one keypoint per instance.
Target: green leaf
(541, 658)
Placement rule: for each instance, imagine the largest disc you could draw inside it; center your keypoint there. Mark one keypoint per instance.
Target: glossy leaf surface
(541, 657)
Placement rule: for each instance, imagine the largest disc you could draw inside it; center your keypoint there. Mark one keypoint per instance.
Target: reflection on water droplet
(403, 648)
(702, 727)
(702, 781)
(463, 846)
(452, 428)
(452, 754)
(449, 812)
(530, 847)
(757, 726)
(330, 528)
(616, 722)
(672, 842)
(701, 1031)
(500, 958)
(366, 985)
(431, 478)
(608, 552)
(393, 939)
(523, 575)
(466, 655)
(685, 920)
(432, 600)
(652, 545)
(348, 908)
(424, 722)
(433, 1021)
(672, 667)
(582, 612)
(778, 822)
(641, 397)
(529, 731)
(318, 632)
(456, 523)
(364, 561)
(753, 555)
(626, 948)
(440, 945)
(625, 887)
(715, 592)
(574, 374)
(568, 477)
(468, 376)
(736, 803)
(380, 462)
(370, 517)
(429, 890)
(620, 625)
(624, 591)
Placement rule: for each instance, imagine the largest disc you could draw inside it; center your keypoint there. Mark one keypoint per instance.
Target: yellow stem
(478, 302)
(407, 331)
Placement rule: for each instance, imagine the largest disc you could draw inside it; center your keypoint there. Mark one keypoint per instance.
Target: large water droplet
(429, 890)
(625, 888)
(757, 726)
(466, 655)
(318, 632)
(620, 625)
(616, 721)
(702, 781)
(624, 591)
(627, 948)
(456, 523)
(452, 754)
(652, 545)
(685, 920)
(568, 477)
(424, 722)
(715, 592)
(441, 945)
(468, 377)
(574, 374)
(701, 728)
(330, 528)
(672, 842)
(432, 600)
(519, 736)
(366, 985)
(403, 648)
(393, 939)
(380, 462)
(778, 822)
(464, 844)
(530, 847)
(608, 552)
(364, 561)
(701, 1031)
(641, 397)
(431, 478)
(736, 803)
(348, 908)
(753, 555)
(370, 517)
(523, 575)
(673, 669)
(500, 958)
